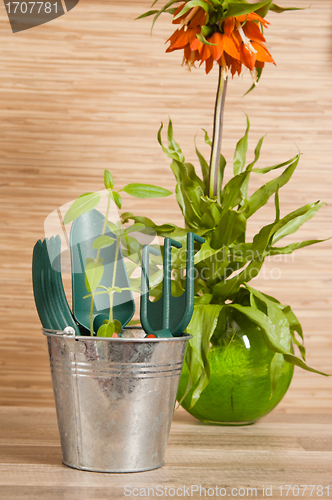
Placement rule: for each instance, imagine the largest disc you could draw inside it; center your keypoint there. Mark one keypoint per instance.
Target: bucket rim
(61, 333)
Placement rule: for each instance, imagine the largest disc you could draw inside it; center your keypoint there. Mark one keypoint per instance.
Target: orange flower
(239, 41)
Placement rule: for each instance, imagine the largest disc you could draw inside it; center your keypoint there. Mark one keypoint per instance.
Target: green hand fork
(169, 316)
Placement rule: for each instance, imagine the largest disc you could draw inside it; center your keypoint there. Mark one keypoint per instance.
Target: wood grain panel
(88, 91)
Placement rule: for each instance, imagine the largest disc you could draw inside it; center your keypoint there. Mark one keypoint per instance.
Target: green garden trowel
(84, 231)
(169, 316)
(50, 297)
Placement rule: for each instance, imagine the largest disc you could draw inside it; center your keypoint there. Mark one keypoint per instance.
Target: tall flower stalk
(214, 172)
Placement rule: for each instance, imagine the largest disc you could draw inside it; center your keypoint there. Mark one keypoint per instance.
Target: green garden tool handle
(190, 284)
(166, 297)
(169, 314)
(145, 288)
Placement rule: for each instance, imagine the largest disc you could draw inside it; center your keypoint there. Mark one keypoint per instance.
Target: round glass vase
(239, 390)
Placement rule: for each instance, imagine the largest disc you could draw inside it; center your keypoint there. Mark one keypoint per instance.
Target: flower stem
(214, 177)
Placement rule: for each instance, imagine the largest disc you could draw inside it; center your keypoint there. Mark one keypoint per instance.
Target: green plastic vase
(239, 390)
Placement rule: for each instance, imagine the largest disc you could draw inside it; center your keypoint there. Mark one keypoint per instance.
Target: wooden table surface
(251, 461)
(88, 91)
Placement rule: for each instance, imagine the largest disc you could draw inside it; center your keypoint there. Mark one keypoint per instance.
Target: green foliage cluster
(226, 262)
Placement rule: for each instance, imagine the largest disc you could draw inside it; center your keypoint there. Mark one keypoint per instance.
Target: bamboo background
(88, 91)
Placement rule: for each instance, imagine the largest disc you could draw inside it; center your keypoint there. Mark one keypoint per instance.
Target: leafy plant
(94, 269)
(227, 261)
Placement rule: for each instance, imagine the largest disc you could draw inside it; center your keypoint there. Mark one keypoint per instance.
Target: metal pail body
(114, 399)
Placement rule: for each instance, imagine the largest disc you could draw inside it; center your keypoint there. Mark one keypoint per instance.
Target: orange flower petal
(205, 53)
(192, 34)
(229, 26)
(259, 64)
(252, 16)
(196, 44)
(252, 31)
(208, 65)
(230, 47)
(216, 50)
(198, 19)
(248, 58)
(234, 64)
(262, 54)
(178, 21)
(181, 40)
(187, 53)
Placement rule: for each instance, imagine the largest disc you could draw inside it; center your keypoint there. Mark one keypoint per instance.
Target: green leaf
(114, 227)
(235, 8)
(254, 85)
(293, 246)
(106, 330)
(82, 205)
(299, 345)
(203, 299)
(134, 228)
(145, 191)
(204, 252)
(147, 14)
(131, 244)
(279, 10)
(232, 224)
(163, 9)
(108, 180)
(202, 325)
(222, 166)
(270, 336)
(130, 267)
(293, 225)
(117, 326)
(241, 151)
(117, 199)
(262, 195)
(207, 138)
(276, 316)
(189, 192)
(294, 323)
(277, 205)
(195, 3)
(225, 289)
(93, 274)
(274, 167)
(102, 242)
(276, 367)
(231, 194)
(257, 154)
(162, 230)
(287, 225)
(202, 38)
(172, 144)
(205, 170)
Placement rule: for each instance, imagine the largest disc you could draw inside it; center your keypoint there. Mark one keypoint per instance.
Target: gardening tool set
(167, 317)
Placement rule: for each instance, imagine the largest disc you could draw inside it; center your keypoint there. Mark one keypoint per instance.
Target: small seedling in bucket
(109, 319)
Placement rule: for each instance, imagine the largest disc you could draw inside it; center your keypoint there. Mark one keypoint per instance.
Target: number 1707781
(31, 7)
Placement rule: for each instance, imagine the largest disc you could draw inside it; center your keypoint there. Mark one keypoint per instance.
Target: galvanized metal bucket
(114, 399)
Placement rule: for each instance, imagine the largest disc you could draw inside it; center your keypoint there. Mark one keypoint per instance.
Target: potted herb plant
(240, 361)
